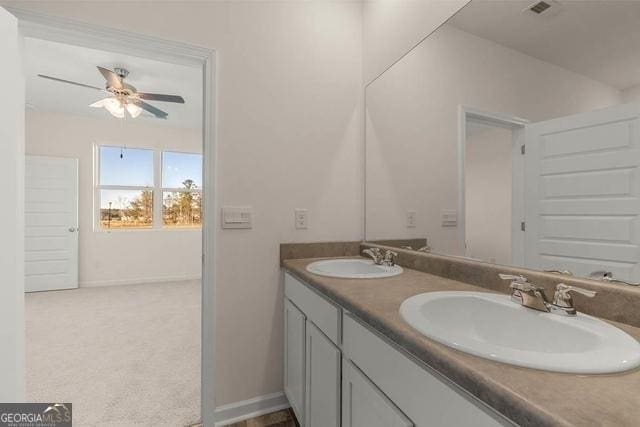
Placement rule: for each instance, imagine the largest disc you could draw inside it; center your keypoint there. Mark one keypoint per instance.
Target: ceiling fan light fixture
(112, 105)
(133, 110)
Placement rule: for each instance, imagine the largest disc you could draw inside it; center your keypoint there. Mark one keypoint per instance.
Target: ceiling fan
(124, 97)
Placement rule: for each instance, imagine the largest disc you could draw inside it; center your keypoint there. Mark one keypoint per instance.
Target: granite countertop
(526, 396)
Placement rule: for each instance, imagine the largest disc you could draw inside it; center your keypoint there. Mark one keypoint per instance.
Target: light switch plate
(449, 218)
(412, 219)
(302, 219)
(237, 217)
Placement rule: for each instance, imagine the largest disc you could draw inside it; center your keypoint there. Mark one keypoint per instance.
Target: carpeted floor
(122, 355)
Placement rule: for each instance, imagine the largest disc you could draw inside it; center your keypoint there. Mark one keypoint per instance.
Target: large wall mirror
(511, 135)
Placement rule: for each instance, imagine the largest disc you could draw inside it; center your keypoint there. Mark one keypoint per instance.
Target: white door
(582, 199)
(364, 405)
(12, 212)
(51, 223)
(322, 380)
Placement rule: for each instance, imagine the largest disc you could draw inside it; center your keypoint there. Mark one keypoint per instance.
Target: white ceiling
(598, 39)
(79, 64)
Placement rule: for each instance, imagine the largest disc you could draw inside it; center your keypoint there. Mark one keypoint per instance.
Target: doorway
(491, 147)
(87, 36)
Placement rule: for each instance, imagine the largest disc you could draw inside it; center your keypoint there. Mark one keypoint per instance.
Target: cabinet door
(294, 357)
(364, 405)
(323, 380)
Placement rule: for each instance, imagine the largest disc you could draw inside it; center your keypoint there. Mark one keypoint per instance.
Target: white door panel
(294, 358)
(51, 221)
(322, 383)
(364, 405)
(582, 199)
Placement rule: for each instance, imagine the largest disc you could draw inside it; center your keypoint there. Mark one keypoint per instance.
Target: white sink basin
(353, 269)
(494, 327)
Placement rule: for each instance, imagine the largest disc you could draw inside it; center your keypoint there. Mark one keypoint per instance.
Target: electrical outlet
(302, 219)
(412, 219)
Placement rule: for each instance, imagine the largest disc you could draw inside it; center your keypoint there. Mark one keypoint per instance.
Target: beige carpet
(122, 355)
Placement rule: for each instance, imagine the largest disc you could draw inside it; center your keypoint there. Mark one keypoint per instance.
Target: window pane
(126, 166)
(126, 209)
(181, 170)
(182, 209)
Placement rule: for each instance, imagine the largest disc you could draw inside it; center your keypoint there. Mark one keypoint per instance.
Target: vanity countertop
(526, 396)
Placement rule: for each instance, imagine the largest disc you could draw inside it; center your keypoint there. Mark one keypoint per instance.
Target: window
(145, 189)
(181, 189)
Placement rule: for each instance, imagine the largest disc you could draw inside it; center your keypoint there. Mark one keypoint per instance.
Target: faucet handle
(562, 296)
(520, 283)
(390, 258)
(375, 255)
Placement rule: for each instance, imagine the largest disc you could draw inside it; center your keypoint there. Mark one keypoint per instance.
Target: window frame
(157, 191)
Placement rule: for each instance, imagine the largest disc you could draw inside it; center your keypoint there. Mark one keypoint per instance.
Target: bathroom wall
(392, 28)
(12, 351)
(413, 115)
(289, 135)
(631, 94)
(118, 257)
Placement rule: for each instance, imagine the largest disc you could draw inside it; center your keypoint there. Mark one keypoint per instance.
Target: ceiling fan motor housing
(121, 72)
(126, 90)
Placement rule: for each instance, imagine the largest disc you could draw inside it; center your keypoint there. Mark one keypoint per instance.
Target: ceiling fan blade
(161, 97)
(150, 108)
(113, 80)
(70, 82)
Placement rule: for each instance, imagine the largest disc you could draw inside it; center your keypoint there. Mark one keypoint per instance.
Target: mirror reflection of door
(582, 193)
(488, 189)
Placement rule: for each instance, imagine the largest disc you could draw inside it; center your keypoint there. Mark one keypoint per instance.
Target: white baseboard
(138, 281)
(240, 411)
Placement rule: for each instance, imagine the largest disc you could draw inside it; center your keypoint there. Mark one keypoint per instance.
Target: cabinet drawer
(321, 312)
(425, 396)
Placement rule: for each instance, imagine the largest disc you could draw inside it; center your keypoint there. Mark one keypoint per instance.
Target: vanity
(340, 371)
(352, 359)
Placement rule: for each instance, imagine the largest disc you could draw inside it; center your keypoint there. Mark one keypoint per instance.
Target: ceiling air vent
(539, 7)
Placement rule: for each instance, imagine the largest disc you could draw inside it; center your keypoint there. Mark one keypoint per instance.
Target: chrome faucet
(526, 293)
(564, 272)
(529, 295)
(422, 249)
(375, 254)
(607, 276)
(387, 259)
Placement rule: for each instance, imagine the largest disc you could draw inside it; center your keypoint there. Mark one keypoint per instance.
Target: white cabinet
(323, 380)
(312, 358)
(294, 357)
(339, 372)
(422, 394)
(364, 405)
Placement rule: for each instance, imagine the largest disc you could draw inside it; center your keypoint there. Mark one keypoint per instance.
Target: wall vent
(539, 7)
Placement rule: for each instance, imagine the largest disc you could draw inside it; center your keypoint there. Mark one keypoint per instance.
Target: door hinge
(522, 149)
(523, 226)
